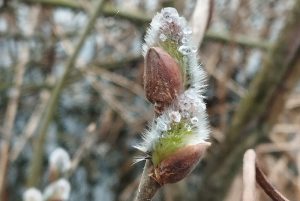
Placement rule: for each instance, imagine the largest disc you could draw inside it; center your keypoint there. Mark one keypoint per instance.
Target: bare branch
(11, 115)
(249, 176)
(269, 189)
(35, 168)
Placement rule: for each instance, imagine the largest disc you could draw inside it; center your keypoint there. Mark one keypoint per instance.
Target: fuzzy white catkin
(58, 190)
(60, 160)
(32, 194)
(189, 106)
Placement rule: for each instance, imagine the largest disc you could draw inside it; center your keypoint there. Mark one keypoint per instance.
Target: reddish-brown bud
(179, 164)
(162, 78)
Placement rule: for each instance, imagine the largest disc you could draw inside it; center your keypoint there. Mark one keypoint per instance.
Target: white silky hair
(32, 194)
(58, 190)
(192, 96)
(60, 159)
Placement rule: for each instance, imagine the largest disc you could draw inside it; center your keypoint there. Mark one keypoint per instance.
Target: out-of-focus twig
(142, 19)
(200, 19)
(108, 97)
(237, 39)
(108, 10)
(87, 144)
(36, 162)
(30, 127)
(11, 115)
(258, 110)
(120, 80)
(249, 176)
(269, 189)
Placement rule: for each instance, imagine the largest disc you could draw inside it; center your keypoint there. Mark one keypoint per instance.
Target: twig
(142, 19)
(30, 127)
(109, 98)
(269, 189)
(85, 146)
(200, 20)
(119, 80)
(237, 39)
(108, 10)
(34, 173)
(10, 116)
(148, 186)
(249, 176)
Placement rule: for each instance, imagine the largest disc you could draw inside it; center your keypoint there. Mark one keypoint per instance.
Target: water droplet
(194, 120)
(167, 12)
(169, 19)
(175, 116)
(194, 49)
(184, 40)
(185, 114)
(188, 127)
(187, 31)
(185, 105)
(185, 50)
(162, 37)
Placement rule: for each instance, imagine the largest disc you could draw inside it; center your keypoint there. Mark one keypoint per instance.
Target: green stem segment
(36, 163)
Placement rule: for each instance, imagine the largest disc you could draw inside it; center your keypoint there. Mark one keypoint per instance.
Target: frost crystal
(184, 49)
(32, 194)
(194, 120)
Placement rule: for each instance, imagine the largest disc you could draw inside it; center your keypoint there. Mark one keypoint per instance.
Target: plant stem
(148, 186)
(269, 189)
(36, 163)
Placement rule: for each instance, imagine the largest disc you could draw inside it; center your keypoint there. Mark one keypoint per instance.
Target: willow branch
(148, 186)
(35, 169)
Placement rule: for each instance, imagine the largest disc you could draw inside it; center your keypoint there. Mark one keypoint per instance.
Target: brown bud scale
(179, 164)
(162, 78)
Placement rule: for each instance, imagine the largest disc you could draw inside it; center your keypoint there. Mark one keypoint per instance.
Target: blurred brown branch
(258, 110)
(10, 117)
(36, 162)
(142, 19)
